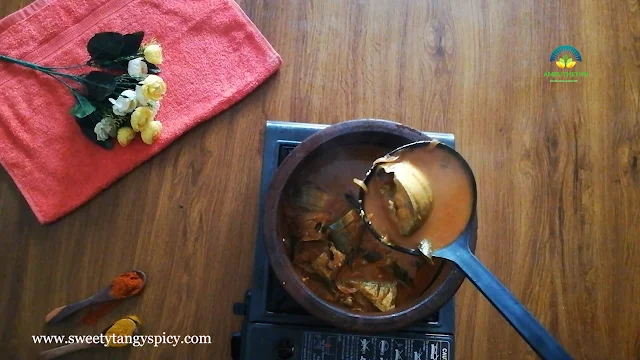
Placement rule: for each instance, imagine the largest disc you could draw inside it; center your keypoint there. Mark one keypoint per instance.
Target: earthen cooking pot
(390, 135)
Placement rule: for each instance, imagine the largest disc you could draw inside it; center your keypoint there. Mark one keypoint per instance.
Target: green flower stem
(44, 69)
(127, 77)
(68, 67)
(36, 66)
(128, 81)
(74, 91)
(21, 62)
(79, 79)
(41, 69)
(112, 62)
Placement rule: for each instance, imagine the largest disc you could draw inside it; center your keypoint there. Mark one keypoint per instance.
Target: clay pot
(390, 135)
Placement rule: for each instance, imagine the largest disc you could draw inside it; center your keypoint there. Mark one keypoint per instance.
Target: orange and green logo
(565, 57)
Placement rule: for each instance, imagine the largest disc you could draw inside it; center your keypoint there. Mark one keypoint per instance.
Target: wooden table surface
(556, 163)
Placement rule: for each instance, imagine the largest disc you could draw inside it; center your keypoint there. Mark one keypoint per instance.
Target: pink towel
(213, 56)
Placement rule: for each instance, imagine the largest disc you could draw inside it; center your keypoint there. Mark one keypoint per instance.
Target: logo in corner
(565, 57)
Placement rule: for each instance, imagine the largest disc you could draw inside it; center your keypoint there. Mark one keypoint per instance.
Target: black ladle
(459, 252)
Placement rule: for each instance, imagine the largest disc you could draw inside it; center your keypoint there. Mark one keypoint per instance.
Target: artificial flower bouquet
(122, 99)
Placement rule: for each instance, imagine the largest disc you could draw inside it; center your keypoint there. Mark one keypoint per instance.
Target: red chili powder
(123, 286)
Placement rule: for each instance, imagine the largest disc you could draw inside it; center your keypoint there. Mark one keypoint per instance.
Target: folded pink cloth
(213, 56)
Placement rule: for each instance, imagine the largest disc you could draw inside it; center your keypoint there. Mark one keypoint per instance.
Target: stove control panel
(303, 343)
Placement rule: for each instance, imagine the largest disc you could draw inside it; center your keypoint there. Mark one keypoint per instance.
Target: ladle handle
(518, 316)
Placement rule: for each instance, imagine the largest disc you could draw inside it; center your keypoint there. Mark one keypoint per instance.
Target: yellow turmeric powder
(121, 332)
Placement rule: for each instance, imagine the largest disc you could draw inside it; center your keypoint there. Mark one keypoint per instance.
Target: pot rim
(283, 268)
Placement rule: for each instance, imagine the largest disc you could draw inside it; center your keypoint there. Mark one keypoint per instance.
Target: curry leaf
(99, 84)
(401, 274)
(372, 256)
(105, 46)
(131, 43)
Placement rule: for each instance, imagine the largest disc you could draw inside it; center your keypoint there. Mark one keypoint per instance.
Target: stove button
(285, 349)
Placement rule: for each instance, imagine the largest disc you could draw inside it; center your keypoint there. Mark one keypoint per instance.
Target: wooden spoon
(103, 295)
(66, 349)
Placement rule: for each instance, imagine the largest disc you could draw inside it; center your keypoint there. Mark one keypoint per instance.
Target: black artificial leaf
(120, 66)
(153, 69)
(105, 46)
(106, 144)
(87, 125)
(89, 122)
(99, 84)
(131, 43)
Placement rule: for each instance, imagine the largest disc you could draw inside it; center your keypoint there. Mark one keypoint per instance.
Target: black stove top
(277, 328)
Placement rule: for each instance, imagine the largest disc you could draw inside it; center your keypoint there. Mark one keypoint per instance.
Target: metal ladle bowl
(458, 252)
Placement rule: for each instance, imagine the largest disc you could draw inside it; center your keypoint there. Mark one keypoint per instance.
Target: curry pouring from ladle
(421, 199)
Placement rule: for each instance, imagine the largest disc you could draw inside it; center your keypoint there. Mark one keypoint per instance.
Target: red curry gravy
(333, 171)
(452, 199)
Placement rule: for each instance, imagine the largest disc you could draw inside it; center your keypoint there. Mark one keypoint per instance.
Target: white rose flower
(102, 130)
(110, 125)
(125, 104)
(154, 105)
(137, 67)
(140, 96)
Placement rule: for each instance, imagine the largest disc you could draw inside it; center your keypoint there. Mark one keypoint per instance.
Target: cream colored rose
(153, 88)
(137, 67)
(125, 103)
(153, 54)
(151, 132)
(140, 96)
(141, 117)
(154, 105)
(102, 131)
(126, 135)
